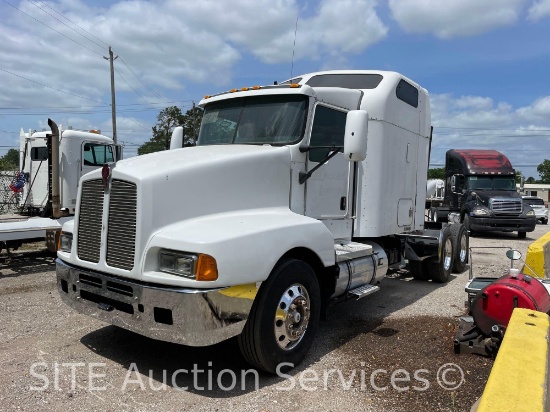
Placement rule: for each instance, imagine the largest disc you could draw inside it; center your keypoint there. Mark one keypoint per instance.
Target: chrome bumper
(194, 317)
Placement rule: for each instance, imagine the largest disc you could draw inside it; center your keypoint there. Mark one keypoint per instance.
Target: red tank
(495, 303)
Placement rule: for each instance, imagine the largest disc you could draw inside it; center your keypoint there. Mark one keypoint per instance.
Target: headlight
(66, 242)
(480, 212)
(530, 213)
(201, 267)
(177, 264)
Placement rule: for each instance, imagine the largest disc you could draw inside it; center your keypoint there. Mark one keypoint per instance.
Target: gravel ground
(55, 359)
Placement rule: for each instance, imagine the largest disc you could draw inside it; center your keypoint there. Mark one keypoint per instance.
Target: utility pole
(194, 124)
(113, 106)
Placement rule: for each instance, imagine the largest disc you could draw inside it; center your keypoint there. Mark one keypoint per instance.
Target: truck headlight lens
(177, 263)
(201, 267)
(530, 213)
(66, 242)
(480, 212)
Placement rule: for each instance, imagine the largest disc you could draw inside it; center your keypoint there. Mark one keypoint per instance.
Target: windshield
(274, 119)
(98, 154)
(491, 183)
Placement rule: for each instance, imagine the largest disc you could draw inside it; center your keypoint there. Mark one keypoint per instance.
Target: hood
(485, 195)
(181, 184)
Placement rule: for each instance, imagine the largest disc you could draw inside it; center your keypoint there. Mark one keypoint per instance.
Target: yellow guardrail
(538, 257)
(518, 380)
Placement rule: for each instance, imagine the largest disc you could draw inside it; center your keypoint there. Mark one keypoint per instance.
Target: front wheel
(522, 235)
(284, 318)
(544, 221)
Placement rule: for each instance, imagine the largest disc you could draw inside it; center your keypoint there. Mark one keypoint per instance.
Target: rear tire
(419, 269)
(284, 317)
(544, 221)
(461, 243)
(522, 235)
(440, 270)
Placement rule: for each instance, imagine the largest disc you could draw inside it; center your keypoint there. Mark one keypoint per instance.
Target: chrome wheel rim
(292, 317)
(463, 248)
(447, 253)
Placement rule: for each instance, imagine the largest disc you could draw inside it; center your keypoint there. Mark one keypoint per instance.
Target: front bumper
(502, 224)
(194, 317)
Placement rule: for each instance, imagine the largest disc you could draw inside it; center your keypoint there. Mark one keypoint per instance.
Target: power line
(131, 87)
(49, 87)
(65, 24)
(69, 20)
(141, 81)
(49, 27)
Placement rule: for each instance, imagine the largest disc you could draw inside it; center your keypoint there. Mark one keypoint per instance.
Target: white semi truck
(51, 165)
(297, 196)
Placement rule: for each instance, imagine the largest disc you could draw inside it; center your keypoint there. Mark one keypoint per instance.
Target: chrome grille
(121, 230)
(506, 206)
(89, 221)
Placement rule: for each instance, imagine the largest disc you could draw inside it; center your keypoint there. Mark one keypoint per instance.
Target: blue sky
(485, 63)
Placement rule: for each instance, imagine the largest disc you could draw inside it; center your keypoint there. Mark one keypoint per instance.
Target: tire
(522, 235)
(440, 269)
(544, 221)
(461, 243)
(419, 270)
(466, 221)
(275, 332)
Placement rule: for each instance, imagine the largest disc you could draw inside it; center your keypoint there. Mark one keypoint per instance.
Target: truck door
(328, 188)
(95, 155)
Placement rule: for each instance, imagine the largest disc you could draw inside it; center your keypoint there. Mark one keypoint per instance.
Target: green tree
(519, 175)
(436, 173)
(530, 179)
(10, 161)
(167, 120)
(544, 171)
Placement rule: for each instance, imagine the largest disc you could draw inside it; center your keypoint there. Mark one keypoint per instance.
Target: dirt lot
(391, 351)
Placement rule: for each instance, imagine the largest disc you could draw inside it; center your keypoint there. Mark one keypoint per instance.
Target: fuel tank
(495, 303)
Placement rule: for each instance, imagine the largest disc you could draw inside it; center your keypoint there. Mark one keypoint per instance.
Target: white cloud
(539, 10)
(169, 44)
(455, 18)
(523, 133)
(266, 27)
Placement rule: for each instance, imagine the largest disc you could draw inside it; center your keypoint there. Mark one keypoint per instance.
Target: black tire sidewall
(437, 267)
(286, 273)
(457, 232)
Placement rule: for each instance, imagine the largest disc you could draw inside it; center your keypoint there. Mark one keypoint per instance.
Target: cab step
(363, 291)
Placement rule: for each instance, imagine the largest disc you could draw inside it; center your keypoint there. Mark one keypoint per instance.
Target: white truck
(297, 196)
(51, 165)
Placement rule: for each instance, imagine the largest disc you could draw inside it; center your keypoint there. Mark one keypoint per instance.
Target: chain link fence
(9, 200)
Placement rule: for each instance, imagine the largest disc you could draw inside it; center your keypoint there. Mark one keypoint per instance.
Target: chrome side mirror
(513, 254)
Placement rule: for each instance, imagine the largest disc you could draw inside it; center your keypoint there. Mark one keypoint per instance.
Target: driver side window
(328, 129)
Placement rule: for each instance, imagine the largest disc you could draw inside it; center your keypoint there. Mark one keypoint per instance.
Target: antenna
(293, 47)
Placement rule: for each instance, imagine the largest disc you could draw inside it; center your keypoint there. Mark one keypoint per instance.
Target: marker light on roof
(233, 90)
(244, 89)
(294, 85)
(256, 87)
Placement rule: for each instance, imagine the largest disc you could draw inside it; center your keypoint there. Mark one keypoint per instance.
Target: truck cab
(80, 152)
(480, 190)
(297, 196)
